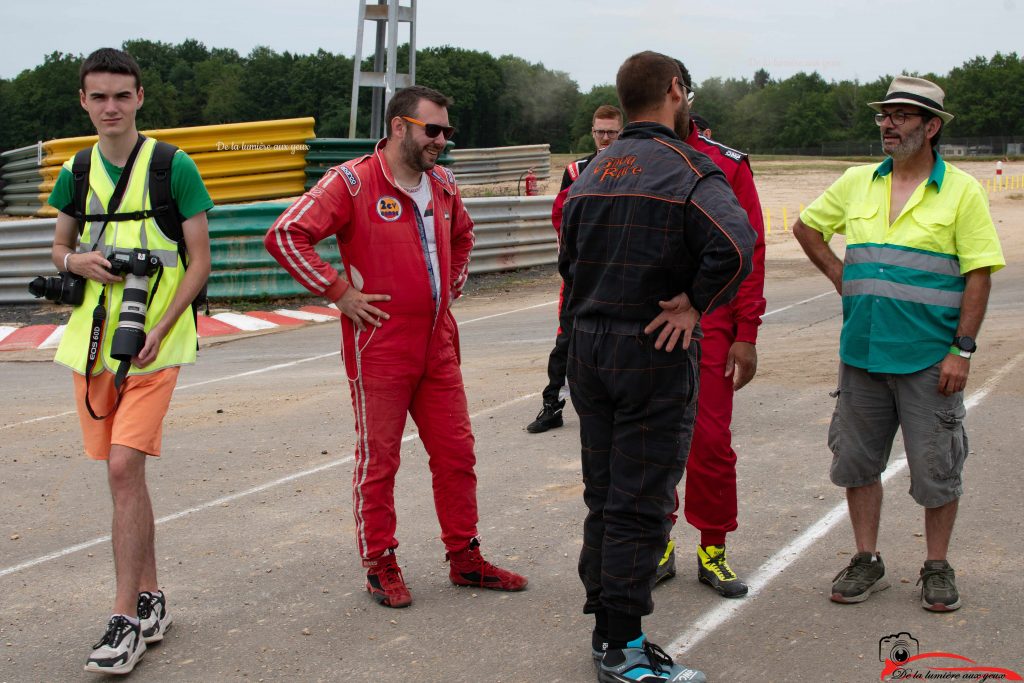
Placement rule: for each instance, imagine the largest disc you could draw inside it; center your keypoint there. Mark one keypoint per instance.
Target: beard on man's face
(419, 157)
(903, 145)
(681, 124)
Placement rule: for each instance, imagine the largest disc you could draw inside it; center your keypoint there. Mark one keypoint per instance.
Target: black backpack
(164, 210)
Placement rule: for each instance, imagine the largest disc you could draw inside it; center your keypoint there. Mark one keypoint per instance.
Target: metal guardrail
(511, 233)
(498, 164)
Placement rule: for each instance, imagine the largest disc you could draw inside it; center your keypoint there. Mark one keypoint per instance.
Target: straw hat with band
(915, 91)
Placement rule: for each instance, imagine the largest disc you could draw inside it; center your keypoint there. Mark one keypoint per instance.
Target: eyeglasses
(601, 133)
(433, 129)
(898, 118)
(690, 92)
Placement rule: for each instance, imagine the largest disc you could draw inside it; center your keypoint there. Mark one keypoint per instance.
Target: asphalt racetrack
(255, 538)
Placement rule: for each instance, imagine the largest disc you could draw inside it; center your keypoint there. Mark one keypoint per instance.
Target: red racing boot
(384, 581)
(469, 568)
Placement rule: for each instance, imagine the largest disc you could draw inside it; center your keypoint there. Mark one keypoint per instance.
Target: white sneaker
(153, 616)
(119, 650)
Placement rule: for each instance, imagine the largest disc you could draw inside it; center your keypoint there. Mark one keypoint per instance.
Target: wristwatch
(963, 347)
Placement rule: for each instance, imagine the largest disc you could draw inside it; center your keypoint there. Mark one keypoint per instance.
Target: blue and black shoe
(642, 660)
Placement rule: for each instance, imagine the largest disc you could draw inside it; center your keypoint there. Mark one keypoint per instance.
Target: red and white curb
(49, 336)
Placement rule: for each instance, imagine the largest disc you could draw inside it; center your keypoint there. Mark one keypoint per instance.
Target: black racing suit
(648, 220)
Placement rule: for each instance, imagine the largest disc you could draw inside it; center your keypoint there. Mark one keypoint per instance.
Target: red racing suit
(710, 498)
(572, 172)
(409, 365)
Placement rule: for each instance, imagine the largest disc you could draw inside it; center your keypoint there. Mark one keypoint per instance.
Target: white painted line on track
(781, 560)
(259, 371)
(798, 303)
(6, 331)
(241, 494)
(291, 477)
(518, 310)
(269, 368)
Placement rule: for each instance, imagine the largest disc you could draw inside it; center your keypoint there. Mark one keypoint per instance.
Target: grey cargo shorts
(869, 409)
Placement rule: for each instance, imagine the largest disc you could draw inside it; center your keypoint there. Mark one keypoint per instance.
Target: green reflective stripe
(901, 292)
(919, 260)
(888, 335)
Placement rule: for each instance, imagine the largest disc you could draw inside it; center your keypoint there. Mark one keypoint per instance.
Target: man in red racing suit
(405, 240)
(728, 363)
(606, 124)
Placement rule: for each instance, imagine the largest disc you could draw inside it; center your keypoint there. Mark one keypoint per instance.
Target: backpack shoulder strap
(166, 214)
(79, 187)
(164, 207)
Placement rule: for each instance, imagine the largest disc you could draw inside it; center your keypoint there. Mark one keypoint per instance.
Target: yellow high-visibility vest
(179, 345)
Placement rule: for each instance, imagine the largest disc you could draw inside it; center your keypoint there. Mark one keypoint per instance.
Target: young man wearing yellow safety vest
(142, 300)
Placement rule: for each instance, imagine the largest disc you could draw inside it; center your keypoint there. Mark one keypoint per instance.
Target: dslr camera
(136, 266)
(66, 288)
(898, 647)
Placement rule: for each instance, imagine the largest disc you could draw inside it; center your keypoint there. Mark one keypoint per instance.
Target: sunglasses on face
(432, 129)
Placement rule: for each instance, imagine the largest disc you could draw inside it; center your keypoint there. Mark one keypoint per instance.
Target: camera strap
(99, 315)
(118, 194)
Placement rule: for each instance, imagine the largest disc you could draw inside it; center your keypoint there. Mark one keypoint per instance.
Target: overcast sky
(841, 39)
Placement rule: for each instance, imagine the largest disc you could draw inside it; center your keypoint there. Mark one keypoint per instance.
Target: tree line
(499, 101)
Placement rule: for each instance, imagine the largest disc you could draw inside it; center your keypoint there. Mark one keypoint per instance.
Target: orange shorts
(138, 421)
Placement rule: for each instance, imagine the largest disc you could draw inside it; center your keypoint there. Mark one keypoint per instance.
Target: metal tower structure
(385, 78)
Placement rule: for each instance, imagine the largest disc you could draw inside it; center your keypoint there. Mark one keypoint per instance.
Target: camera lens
(899, 654)
(37, 287)
(130, 335)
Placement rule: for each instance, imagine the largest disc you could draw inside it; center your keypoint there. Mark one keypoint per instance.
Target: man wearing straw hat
(915, 282)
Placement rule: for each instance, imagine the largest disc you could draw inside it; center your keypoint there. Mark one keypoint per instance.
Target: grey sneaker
(642, 660)
(938, 587)
(862, 577)
(119, 650)
(153, 616)
(667, 564)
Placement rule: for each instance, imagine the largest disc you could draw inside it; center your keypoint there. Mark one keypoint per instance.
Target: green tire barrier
(242, 268)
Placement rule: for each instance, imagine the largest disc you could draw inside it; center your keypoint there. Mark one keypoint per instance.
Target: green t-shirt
(187, 188)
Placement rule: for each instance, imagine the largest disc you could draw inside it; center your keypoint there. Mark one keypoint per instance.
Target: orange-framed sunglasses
(432, 129)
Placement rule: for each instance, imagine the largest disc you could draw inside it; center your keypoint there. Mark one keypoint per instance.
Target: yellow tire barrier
(280, 135)
(256, 186)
